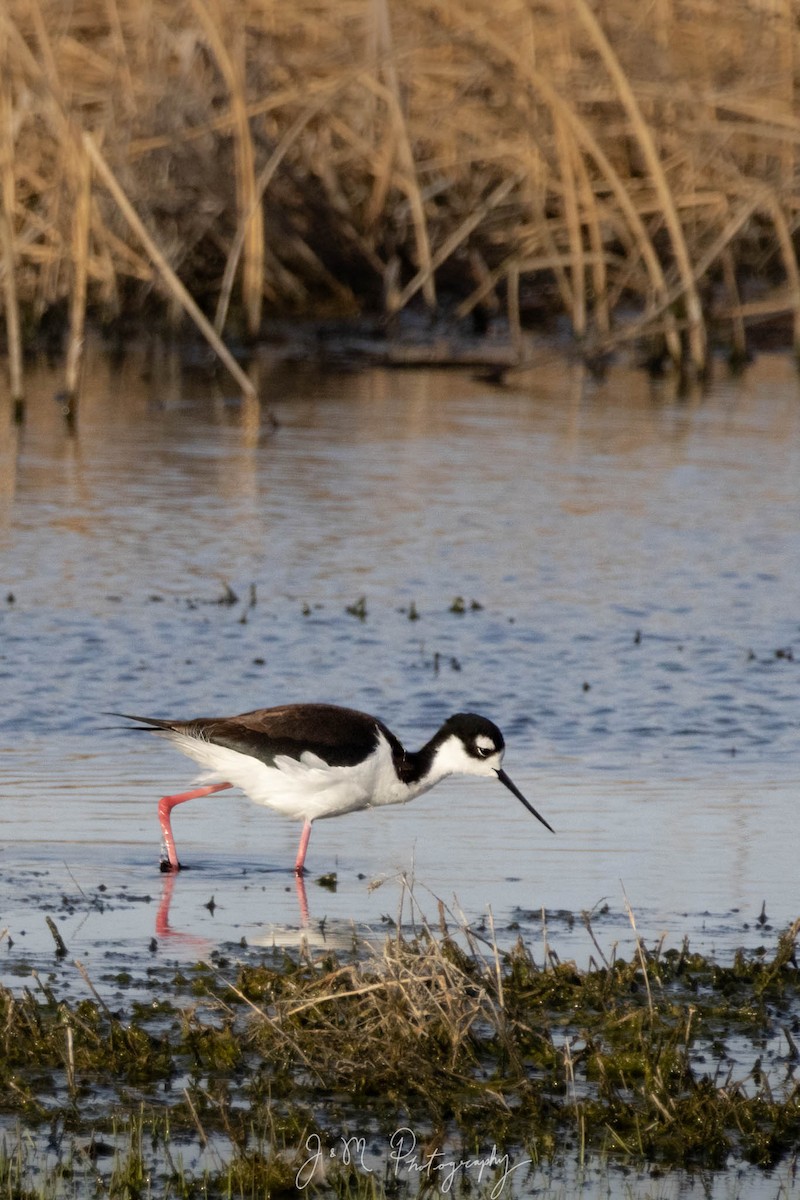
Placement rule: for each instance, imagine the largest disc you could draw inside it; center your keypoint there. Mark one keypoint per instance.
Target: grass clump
(669, 1059)
(628, 1057)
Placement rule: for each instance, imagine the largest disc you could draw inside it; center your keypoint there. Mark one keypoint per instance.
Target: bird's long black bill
(512, 787)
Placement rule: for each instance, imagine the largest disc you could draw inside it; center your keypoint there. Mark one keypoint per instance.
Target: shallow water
(632, 556)
(634, 559)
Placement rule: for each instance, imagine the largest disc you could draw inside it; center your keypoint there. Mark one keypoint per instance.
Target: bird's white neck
(436, 761)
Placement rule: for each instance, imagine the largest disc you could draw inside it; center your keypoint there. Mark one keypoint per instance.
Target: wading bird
(311, 761)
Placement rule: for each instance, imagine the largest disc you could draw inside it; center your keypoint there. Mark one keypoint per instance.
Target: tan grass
(171, 281)
(7, 222)
(215, 24)
(81, 220)
(314, 156)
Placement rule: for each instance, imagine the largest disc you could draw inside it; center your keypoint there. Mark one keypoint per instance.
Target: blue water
(628, 561)
(628, 565)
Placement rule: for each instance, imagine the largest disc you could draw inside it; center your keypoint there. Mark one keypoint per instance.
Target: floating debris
(359, 608)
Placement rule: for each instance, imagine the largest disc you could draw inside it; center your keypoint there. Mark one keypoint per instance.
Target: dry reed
(7, 211)
(321, 157)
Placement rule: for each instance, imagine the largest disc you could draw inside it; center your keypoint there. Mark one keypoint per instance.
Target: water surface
(627, 561)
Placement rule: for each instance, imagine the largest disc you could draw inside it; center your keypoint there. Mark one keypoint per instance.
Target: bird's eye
(484, 751)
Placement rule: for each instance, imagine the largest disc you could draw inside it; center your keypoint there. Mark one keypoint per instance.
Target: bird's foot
(165, 866)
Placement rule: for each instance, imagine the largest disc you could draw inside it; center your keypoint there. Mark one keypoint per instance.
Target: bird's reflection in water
(177, 936)
(165, 930)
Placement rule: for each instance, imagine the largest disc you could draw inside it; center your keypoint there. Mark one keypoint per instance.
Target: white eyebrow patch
(484, 743)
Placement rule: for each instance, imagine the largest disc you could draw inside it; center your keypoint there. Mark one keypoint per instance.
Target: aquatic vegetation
(459, 606)
(358, 608)
(669, 1058)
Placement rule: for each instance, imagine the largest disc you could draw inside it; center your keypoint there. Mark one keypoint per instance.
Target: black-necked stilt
(311, 761)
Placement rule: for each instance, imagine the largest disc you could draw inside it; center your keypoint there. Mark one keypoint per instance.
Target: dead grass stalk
(7, 220)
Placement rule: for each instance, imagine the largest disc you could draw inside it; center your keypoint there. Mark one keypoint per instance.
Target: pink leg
(301, 850)
(165, 807)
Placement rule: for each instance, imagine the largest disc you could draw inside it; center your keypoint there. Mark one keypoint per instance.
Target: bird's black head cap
(480, 736)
